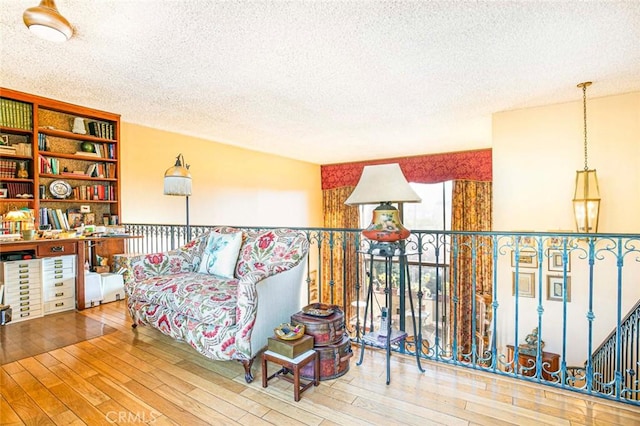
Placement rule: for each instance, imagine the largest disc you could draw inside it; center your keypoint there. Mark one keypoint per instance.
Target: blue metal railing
(478, 297)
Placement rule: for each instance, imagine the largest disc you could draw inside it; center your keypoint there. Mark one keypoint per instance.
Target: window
(425, 272)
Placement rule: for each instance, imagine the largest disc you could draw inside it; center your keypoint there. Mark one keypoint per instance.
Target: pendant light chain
(584, 108)
(584, 86)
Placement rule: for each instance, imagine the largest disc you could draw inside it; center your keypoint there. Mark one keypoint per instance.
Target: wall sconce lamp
(177, 181)
(586, 199)
(384, 184)
(46, 22)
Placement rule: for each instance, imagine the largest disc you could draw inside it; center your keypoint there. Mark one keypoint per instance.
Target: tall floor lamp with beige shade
(177, 181)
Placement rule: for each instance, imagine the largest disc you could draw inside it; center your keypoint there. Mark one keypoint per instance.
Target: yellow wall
(231, 186)
(537, 151)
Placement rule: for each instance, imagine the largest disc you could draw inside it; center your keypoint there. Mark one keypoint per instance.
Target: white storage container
(92, 289)
(112, 287)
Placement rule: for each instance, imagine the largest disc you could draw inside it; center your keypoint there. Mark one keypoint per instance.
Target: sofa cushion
(221, 254)
(207, 298)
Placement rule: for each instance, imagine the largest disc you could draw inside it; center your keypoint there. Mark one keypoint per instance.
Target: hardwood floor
(142, 376)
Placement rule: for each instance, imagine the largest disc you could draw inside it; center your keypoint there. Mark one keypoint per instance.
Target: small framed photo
(556, 286)
(526, 284)
(555, 261)
(89, 219)
(527, 259)
(75, 220)
(4, 193)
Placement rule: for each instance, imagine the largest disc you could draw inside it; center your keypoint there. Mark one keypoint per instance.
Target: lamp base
(385, 225)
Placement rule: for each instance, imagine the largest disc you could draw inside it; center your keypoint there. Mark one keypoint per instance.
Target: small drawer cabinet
(59, 283)
(38, 287)
(23, 288)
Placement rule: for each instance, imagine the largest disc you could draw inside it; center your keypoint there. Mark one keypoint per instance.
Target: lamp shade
(177, 180)
(586, 201)
(384, 184)
(46, 22)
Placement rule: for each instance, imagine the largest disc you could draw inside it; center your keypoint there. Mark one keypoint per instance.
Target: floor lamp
(177, 181)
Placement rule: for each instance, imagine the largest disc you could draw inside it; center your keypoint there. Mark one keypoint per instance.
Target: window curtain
(338, 275)
(471, 260)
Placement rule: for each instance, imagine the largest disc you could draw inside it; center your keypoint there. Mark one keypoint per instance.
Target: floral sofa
(224, 315)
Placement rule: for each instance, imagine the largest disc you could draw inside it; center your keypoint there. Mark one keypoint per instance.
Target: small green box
(290, 348)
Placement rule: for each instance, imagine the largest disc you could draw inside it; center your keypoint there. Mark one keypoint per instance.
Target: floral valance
(464, 165)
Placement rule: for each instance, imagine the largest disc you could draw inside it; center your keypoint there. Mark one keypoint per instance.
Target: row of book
(54, 217)
(101, 170)
(94, 192)
(51, 166)
(21, 148)
(43, 143)
(16, 114)
(19, 189)
(7, 168)
(101, 129)
(72, 218)
(103, 150)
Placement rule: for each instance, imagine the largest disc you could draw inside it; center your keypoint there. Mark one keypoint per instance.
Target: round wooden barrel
(334, 360)
(326, 330)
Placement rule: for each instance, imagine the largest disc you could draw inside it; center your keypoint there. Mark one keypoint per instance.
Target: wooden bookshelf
(46, 126)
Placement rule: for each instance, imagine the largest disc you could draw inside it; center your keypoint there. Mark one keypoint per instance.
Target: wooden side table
(292, 366)
(550, 360)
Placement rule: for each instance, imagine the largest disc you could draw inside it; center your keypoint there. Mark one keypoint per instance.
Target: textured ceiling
(324, 81)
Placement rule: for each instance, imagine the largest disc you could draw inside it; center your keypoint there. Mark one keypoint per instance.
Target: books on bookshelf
(18, 115)
(101, 129)
(7, 168)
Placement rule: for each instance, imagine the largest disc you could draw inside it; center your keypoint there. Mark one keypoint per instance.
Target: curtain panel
(338, 284)
(471, 267)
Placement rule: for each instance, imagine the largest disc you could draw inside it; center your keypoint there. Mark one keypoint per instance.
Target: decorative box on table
(290, 348)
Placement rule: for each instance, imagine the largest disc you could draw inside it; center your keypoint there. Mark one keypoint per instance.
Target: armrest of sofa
(144, 266)
(265, 302)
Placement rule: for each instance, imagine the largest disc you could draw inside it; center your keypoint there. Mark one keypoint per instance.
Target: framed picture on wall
(555, 261)
(526, 283)
(555, 287)
(526, 259)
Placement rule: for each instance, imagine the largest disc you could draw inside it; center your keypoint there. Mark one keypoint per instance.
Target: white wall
(536, 153)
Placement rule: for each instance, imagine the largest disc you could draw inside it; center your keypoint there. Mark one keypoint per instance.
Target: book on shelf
(87, 154)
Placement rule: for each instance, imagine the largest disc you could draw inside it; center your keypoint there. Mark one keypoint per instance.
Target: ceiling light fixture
(46, 22)
(586, 199)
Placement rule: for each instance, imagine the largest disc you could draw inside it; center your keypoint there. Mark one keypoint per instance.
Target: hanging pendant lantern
(586, 198)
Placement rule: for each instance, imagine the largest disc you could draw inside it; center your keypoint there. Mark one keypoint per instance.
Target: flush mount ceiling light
(46, 22)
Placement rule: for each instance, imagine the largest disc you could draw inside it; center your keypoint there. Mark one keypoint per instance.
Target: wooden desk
(102, 246)
(550, 360)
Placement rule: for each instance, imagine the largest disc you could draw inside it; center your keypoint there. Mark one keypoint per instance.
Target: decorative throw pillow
(221, 254)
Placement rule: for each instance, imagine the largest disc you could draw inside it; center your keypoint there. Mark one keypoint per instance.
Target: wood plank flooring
(144, 377)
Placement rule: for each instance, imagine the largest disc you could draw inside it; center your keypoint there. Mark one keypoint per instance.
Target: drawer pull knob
(57, 249)
(59, 304)
(60, 294)
(58, 284)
